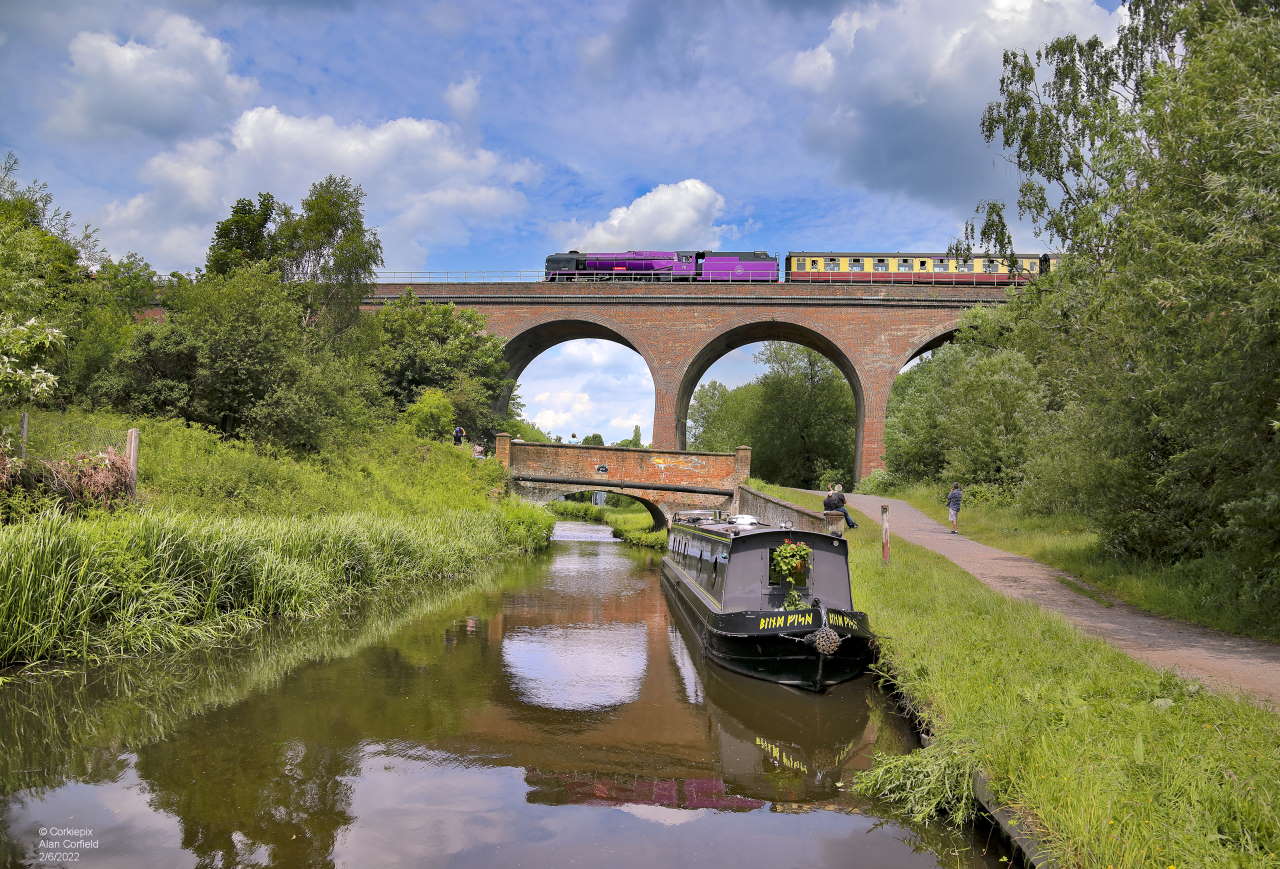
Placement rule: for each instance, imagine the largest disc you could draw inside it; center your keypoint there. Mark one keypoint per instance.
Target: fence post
(131, 456)
(884, 533)
(22, 435)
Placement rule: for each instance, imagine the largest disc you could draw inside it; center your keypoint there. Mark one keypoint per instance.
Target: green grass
(631, 524)
(1201, 591)
(1109, 761)
(225, 539)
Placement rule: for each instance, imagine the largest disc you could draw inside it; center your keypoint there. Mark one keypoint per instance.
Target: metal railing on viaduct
(868, 331)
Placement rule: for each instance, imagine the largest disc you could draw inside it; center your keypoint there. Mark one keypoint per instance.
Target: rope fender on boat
(824, 639)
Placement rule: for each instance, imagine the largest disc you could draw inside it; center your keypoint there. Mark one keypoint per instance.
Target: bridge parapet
(664, 480)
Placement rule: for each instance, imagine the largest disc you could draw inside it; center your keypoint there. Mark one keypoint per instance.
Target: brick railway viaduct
(868, 332)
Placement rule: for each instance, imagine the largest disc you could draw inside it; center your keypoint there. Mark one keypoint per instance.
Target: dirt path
(1219, 660)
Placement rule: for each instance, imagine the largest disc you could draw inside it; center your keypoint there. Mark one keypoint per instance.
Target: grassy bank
(631, 524)
(224, 539)
(1111, 762)
(1201, 591)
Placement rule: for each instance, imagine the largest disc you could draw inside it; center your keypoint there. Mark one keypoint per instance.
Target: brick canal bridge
(663, 480)
(868, 332)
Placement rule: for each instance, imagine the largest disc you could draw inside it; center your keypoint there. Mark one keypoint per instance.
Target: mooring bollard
(131, 456)
(884, 533)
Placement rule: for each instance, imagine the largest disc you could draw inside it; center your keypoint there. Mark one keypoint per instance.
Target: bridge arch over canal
(868, 331)
(663, 480)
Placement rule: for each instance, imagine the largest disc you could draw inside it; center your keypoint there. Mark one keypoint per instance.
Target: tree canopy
(1147, 367)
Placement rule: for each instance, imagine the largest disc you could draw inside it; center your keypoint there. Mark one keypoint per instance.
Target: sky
(488, 134)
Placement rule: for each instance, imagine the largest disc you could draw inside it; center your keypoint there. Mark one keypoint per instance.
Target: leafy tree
(323, 250)
(593, 440)
(1152, 160)
(327, 252)
(419, 345)
(636, 440)
(808, 419)
(526, 431)
(245, 237)
(23, 346)
(233, 354)
(720, 418)
(431, 414)
(799, 416)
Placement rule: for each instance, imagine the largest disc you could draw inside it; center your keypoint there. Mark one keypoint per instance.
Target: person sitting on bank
(834, 503)
(954, 497)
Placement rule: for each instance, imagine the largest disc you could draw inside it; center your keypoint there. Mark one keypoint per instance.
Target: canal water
(554, 716)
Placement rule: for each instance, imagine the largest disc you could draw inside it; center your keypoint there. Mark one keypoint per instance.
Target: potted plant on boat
(789, 566)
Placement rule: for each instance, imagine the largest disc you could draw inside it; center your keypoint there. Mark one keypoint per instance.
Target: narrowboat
(767, 601)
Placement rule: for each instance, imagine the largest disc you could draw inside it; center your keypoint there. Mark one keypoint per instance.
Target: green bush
(431, 415)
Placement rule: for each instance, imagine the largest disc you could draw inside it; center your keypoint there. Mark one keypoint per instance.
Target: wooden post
(131, 456)
(22, 435)
(884, 533)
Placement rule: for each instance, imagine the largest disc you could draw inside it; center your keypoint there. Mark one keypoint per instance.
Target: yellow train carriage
(911, 268)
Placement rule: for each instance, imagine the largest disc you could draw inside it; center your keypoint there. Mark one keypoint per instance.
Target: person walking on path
(954, 497)
(835, 501)
(458, 434)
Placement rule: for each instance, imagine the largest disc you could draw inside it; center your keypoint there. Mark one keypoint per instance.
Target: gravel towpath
(1219, 660)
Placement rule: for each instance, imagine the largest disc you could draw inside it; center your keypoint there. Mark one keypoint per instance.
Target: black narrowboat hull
(771, 644)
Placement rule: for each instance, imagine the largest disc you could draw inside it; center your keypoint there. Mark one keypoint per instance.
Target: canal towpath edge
(1221, 661)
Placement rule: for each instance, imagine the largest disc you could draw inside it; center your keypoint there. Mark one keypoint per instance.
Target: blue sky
(488, 134)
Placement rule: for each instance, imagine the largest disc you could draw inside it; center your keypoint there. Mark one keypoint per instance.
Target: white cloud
(425, 184)
(680, 216)
(177, 82)
(462, 96)
(587, 386)
(898, 89)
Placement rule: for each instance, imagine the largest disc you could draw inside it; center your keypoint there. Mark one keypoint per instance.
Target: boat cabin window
(704, 559)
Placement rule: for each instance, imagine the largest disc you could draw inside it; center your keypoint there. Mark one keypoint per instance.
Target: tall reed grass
(226, 538)
(1111, 762)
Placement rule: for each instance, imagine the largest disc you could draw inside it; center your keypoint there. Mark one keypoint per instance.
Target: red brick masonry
(681, 329)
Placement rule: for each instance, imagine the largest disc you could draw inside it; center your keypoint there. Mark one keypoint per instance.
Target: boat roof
(728, 526)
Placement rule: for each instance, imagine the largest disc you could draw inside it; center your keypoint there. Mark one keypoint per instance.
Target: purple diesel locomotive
(663, 265)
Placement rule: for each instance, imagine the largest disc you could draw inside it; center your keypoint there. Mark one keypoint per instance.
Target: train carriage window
(964, 265)
(855, 264)
(904, 265)
(939, 265)
(832, 264)
(815, 265)
(881, 265)
(1032, 265)
(990, 266)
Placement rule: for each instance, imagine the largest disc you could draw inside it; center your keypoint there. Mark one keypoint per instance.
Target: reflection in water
(576, 667)
(562, 719)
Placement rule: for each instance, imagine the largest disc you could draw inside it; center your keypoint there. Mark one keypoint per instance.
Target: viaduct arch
(869, 332)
